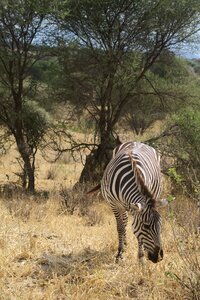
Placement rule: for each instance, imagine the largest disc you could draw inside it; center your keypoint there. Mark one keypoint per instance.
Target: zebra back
(145, 164)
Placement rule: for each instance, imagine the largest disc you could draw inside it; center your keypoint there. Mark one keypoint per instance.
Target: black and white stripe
(132, 182)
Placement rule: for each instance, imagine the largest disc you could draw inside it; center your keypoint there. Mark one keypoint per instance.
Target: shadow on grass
(75, 266)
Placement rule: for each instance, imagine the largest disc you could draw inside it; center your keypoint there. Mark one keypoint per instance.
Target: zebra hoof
(118, 258)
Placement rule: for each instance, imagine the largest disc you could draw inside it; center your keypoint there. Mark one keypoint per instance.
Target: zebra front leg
(140, 252)
(121, 219)
(125, 222)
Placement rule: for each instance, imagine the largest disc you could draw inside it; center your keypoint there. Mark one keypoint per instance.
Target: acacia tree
(164, 89)
(20, 23)
(124, 38)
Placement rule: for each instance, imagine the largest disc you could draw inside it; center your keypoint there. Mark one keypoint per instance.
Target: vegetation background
(76, 79)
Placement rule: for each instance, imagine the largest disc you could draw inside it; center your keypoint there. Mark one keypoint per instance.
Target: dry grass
(48, 254)
(51, 252)
(49, 176)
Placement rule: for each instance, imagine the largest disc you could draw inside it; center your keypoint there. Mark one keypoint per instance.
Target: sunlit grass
(48, 254)
(49, 251)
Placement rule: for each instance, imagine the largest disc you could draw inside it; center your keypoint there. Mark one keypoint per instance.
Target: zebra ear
(162, 202)
(137, 206)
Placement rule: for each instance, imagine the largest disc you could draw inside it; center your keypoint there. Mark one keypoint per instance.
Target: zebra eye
(146, 226)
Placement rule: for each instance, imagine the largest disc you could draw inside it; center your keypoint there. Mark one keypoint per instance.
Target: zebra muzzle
(156, 256)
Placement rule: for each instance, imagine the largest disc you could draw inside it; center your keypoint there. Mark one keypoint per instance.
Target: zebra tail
(97, 187)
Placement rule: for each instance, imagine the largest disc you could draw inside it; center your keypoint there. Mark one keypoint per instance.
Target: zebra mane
(144, 189)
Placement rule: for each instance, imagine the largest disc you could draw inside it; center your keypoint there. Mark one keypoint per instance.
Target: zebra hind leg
(121, 219)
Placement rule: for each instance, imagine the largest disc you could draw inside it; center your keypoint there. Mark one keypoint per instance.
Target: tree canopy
(122, 42)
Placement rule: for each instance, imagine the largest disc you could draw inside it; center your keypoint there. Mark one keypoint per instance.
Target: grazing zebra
(132, 182)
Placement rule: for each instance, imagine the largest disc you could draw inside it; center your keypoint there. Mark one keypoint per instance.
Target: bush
(180, 150)
(188, 158)
(36, 122)
(78, 202)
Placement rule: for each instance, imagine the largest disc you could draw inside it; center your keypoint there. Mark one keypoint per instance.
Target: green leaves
(174, 175)
(170, 198)
(184, 148)
(189, 122)
(36, 121)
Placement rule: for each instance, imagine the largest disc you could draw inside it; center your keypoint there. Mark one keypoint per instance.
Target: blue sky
(189, 54)
(189, 50)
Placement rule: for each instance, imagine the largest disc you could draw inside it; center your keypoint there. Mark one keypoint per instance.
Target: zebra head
(147, 227)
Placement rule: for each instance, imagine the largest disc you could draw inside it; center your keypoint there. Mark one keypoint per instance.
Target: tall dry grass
(63, 247)
(48, 253)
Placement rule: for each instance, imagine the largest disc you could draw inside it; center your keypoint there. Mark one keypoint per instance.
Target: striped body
(132, 182)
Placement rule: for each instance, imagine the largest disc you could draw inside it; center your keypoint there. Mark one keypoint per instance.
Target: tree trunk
(29, 167)
(25, 151)
(31, 176)
(98, 159)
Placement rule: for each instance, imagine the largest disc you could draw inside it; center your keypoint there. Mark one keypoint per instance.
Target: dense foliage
(185, 148)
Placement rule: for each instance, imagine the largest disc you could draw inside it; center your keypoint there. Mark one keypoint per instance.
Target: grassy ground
(46, 252)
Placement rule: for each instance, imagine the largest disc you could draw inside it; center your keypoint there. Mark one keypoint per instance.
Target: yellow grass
(49, 176)
(47, 254)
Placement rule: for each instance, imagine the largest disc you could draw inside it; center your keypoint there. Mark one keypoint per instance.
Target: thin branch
(172, 130)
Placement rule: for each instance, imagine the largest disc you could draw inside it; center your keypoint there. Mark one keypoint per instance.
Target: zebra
(132, 182)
